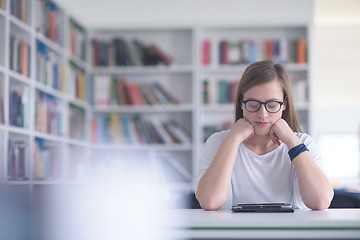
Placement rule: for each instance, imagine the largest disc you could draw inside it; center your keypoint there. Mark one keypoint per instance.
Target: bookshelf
(43, 100)
(155, 115)
(69, 84)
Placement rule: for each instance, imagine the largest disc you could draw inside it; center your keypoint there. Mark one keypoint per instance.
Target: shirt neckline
(263, 155)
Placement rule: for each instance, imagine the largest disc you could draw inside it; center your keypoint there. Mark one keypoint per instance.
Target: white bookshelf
(27, 134)
(183, 78)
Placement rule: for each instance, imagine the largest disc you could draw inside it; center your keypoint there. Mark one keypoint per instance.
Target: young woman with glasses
(264, 157)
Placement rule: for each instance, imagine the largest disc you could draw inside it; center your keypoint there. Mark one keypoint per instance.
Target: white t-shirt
(261, 179)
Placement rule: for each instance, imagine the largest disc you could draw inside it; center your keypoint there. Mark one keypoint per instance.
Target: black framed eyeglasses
(270, 106)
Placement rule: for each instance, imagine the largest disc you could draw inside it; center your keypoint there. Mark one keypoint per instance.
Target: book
(163, 57)
(122, 92)
(206, 52)
(47, 162)
(301, 51)
(20, 53)
(135, 96)
(18, 160)
(178, 132)
(205, 88)
(2, 113)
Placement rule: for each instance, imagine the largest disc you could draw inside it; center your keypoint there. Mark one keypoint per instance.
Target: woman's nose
(262, 111)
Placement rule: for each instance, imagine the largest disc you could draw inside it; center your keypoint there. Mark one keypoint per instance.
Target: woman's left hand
(281, 132)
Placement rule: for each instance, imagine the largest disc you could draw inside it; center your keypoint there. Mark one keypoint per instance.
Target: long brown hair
(264, 72)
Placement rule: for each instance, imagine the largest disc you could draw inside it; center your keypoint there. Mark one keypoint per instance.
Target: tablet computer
(263, 207)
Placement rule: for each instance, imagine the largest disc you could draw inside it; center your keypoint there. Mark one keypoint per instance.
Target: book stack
(48, 117)
(20, 55)
(111, 91)
(48, 67)
(123, 52)
(76, 120)
(220, 92)
(18, 99)
(19, 8)
(77, 40)
(18, 160)
(77, 78)
(124, 129)
(46, 160)
(50, 21)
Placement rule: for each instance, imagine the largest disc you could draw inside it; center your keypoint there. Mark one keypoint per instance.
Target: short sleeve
(211, 147)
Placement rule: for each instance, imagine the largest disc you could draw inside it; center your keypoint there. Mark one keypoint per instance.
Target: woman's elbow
(322, 203)
(210, 204)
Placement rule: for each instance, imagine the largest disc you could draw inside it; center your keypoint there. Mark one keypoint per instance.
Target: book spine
(206, 52)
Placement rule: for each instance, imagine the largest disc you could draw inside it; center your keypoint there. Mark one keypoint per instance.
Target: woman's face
(262, 120)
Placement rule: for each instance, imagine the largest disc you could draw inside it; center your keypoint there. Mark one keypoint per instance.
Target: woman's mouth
(262, 124)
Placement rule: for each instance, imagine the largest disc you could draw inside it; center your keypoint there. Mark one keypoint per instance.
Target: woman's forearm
(315, 188)
(213, 187)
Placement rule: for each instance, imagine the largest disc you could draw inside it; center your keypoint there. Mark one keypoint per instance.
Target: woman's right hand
(242, 130)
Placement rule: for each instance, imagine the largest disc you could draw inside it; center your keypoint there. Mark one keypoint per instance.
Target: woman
(264, 157)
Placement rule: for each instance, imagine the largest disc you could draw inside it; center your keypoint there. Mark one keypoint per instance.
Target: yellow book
(114, 128)
(40, 170)
(38, 116)
(63, 78)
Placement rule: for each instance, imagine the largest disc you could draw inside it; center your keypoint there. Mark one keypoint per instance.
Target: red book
(301, 51)
(24, 59)
(122, 92)
(269, 50)
(225, 52)
(72, 40)
(206, 52)
(52, 26)
(135, 94)
(95, 130)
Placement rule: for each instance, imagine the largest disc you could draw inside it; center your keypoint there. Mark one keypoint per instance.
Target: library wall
(187, 13)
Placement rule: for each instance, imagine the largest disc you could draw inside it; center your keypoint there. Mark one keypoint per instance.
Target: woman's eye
(253, 105)
(272, 105)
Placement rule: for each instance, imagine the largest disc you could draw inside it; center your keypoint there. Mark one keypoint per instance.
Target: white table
(302, 224)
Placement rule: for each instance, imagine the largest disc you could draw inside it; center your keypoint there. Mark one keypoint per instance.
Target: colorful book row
(221, 91)
(112, 91)
(18, 160)
(76, 122)
(20, 9)
(77, 82)
(50, 69)
(46, 160)
(123, 52)
(123, 129)
(48, 115)
(249, 51)
(50, 21)
(20, 53)
(77, 40)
